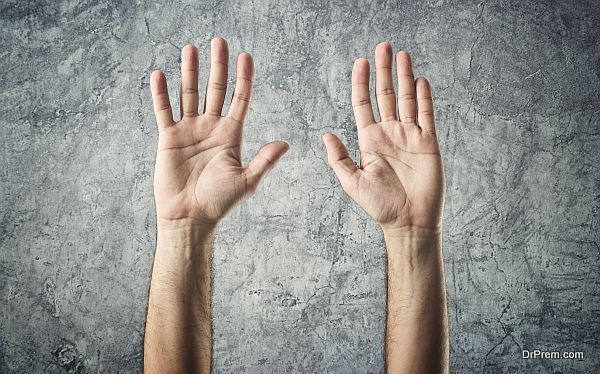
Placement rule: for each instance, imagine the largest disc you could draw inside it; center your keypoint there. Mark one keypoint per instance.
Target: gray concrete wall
(299, 269)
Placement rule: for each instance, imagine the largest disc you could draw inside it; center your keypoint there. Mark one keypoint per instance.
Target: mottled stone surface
(299, 270)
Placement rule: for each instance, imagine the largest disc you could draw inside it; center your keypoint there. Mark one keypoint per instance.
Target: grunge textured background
(299, 270)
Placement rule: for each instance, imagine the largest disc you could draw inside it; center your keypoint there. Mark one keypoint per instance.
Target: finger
(189, 81)
(341, 163)
(361, 96)
(160, 99)
(242, 95)
(425, 105)
(264, 160)
(180, 104)
(217, 79)
(407, 104)
(384, 83)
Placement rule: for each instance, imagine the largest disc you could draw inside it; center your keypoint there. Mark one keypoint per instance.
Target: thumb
(264, 160)
(341, 163)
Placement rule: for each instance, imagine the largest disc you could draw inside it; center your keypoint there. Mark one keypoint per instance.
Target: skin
(199, 177)
(400, 184)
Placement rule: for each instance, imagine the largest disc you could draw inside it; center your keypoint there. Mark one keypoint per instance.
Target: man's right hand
(199, 174)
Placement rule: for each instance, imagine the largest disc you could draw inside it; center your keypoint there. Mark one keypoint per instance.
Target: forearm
(178, 334)
(417, 325)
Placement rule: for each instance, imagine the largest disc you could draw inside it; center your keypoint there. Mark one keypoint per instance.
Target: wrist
(411, 231)
(183, 254)
(190, 224)
(413, 242)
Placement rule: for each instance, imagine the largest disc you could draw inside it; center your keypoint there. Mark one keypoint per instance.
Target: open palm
(199, 174)
(400, 179)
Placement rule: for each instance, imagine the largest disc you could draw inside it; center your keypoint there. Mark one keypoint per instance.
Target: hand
(199, 174)
(400, 182)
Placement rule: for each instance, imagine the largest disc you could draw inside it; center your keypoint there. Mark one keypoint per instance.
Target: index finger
(242, 95)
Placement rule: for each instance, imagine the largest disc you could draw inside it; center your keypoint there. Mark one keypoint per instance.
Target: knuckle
(242, 96)
(218, 86)
(429, 132)
(385, 91)
(212, 111)
(267, 160)
(389, 117)
(361, 102)
(409, 119)
(234, 119)
(407, 96)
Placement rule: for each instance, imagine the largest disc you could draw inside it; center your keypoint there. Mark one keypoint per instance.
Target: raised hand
(199, 174)
(400, 181)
